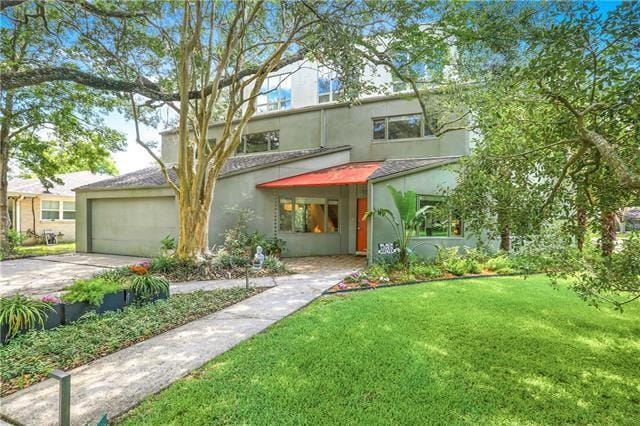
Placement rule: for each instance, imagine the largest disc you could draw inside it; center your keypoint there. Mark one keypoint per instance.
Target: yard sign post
(64, 413)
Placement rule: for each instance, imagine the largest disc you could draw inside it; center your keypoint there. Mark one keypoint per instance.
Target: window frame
(333, 77)
(450, 216)
(279, 102)
(423, 129)
(243, 143)
(60, 210)
(294, 202)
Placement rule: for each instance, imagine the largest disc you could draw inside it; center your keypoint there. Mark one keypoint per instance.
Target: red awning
(344, 174)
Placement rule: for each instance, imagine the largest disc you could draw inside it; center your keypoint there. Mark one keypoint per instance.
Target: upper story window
(259, 142)
(56, 210)
(275, 93)
(439, 220)
(329, 85)
(410, 126)
(413, 69)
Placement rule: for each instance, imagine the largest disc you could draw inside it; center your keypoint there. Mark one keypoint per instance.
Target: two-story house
(309, 167)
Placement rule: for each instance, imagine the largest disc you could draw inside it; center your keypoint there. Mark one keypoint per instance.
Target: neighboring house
(309, 167)
(34, 209)
(630, 219)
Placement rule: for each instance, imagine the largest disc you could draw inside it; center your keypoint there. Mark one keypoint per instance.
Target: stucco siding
(428, 182)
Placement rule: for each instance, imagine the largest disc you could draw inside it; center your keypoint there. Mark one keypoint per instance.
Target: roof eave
(414, 170)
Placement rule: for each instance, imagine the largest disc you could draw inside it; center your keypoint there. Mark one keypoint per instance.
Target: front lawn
(42, 250)
(498, 350)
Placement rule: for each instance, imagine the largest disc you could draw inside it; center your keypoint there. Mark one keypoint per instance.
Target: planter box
(112, 302)
(132, 298)
(4, 333)
(55, 317)
(73, 311)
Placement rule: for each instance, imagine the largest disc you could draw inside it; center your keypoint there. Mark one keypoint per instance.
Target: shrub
(226, 260)
(164, 264)
(403, 276)
(90, 291)
(14, 238)
(377, 272)
(473, 266)
(449, 260)
(119, 275)
(147, 286)
(500, 264)
(167, 244)
(275, 246)
(19, 313)
(425, 270)
(456, 266)
(273, 264)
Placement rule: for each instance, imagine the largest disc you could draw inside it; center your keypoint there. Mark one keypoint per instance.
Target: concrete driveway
(38, 276)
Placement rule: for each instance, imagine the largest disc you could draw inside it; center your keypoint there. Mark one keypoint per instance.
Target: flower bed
(30, 357)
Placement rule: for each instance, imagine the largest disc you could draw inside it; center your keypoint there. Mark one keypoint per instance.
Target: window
(69, 210)
(56, 210)
(308, 215)
(259, 142)
(275, 93)
(328, 85)
(438, 221)
(409, 126)
(416, 70)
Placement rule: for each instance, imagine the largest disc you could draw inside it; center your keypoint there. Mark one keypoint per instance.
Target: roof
(357, 172)
(397, 166)
(344, 174)
(70, 181)
(153, 176)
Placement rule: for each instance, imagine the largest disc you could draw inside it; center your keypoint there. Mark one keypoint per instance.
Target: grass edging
(433, 280)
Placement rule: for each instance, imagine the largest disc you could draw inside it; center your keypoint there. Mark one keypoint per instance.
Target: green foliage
(167, 244)
(425, 271)
(273, 264)
(500, 264)
(91, 291)
(30, 357)
(465, 345)
(19, 313)
(147, 286)
(275, 245)
(117, 275)
(377, 271)
(404, 223)
(15, 239)
(450, 260)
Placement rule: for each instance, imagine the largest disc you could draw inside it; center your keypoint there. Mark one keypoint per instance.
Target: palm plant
(147, 286)
(20, 312)
(404, 223)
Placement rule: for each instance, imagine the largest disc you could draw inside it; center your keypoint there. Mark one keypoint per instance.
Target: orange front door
(361, 233)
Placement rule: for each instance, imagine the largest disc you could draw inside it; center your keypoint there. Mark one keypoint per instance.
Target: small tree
(404, 224)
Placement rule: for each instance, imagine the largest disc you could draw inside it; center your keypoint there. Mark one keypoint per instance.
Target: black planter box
(132, 298)
(55, 317)
(4, 333)
(112, 302)
(73, 311)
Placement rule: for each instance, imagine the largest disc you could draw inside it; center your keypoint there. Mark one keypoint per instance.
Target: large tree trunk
(5, 125)
(505, 238)
(608, 232)
(581, 223)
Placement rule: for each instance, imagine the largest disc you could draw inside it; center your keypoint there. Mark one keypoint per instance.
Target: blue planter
(73, 311)
(112, 302)
(132, 298)
(55, 317)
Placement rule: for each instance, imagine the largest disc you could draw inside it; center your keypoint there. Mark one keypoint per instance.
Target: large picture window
(259, 142)
(56, 210)
(438, 221)
(275, 93)
(410, 126)
(308, 215)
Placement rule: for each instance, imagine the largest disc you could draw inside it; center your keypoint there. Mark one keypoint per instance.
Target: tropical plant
(275, 246)
(404, 223)
(19, 313)
(167, 244)
(147, 286)
(90, 291)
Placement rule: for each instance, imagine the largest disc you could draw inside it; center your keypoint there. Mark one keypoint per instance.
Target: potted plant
(145, 286)
(275, 246)
(55, 316)
(19, 313)
(96, 294)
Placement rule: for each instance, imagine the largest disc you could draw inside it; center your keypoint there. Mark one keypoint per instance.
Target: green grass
(42, 250)
(479, 351)
(29, 358)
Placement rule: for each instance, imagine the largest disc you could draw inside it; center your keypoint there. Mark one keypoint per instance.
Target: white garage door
(132, 226)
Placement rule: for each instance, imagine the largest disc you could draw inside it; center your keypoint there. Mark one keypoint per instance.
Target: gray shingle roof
(70, 181)
(153, 176)
(394, 166)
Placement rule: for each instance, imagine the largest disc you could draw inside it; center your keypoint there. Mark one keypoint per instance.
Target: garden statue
(258, 259)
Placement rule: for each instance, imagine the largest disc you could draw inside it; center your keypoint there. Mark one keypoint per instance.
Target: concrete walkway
(38, 276)
(118, 382)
